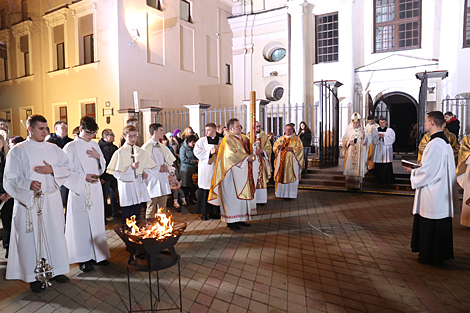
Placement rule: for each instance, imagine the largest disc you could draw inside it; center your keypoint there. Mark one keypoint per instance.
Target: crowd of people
(77, 183)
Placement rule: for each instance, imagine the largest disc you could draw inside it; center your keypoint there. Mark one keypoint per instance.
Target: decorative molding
(22, 28)
(56, 17)
(58, 72)
(83, 7)
(78, 68)
(24, 79)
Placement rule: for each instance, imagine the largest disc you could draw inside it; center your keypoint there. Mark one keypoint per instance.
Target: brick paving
(324, 252)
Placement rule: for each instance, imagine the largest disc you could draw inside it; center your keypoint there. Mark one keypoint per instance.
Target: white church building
(375, 48)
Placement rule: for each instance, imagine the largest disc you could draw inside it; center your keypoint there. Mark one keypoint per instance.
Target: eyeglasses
(89, 132)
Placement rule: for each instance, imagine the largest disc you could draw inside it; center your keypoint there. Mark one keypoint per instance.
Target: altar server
(435, 197)
(206, 150)
(32, 167)
(84, 229)
(157, 182)
(288, 164)
(383, 153)
(128, 165)
(233, 186)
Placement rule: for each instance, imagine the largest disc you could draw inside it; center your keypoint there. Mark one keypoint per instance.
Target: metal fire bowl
(153, 250)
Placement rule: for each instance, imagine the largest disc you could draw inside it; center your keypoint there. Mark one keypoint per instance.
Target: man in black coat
(60, 138)
(109, 183)
(452, 123)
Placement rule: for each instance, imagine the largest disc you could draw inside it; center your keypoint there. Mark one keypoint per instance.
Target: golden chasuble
(452, 140)
(232, 151)
(264, 169)
(464, 153)
(284, 173)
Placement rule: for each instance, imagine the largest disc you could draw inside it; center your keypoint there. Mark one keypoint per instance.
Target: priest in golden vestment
(371, 131)
(452, 141)
(262, 165)
(355, 153)
(463, 179)
(288, 164)
(233, 186)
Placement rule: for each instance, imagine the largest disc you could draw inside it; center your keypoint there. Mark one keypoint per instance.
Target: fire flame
(161, 229)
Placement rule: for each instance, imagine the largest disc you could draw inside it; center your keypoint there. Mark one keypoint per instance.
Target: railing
(221, 116)
(171, 120)
(459, 107)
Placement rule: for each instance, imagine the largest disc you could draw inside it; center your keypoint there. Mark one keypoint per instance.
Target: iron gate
(459, 107)
(422, 108)
(329, 124)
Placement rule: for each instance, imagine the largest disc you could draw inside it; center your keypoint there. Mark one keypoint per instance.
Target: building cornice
(56, 17)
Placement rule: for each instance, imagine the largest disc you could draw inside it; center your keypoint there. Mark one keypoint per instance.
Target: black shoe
(102, 263)
(244, 224)
(60, 279)
(214, 216)
(286, 199)
(86, 267)
(422, 261)
(233, 226)
(204, 218)
(6, 254)
(36, 286)
(262, 204)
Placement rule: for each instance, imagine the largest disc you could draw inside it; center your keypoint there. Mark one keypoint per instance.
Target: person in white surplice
(157, 182)
(383, 153)
(206, 150)
(35, 166)
(84, 229)
(233, 186)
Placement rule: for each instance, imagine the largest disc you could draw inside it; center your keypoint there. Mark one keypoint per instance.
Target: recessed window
(327, 38)
(63, 114)
(274, 91)
(3, 62)
(24, 10)
(466, 25)
(25, 58)
(228, 79)
(278, 93)
(185, 11)
(157, 4)
(397, 24)
(60, 56)
(88, 49)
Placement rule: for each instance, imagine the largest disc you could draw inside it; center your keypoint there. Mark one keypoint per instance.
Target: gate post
(195, 117)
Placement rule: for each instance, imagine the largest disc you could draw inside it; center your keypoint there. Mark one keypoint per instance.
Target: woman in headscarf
(172, 142)
(177, 134)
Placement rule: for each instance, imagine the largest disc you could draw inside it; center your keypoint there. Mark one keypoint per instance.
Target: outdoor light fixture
(135, 37)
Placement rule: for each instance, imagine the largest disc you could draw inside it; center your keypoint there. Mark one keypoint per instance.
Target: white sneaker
(176, 205)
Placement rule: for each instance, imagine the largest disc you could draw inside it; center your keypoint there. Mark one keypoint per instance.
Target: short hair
(291, 125)
(128, 128)
(382, 118)
(3, 120)
(191, 138)
(58, 123)
(231, 122)
(370, 117)
(16, 139)
(437, 117)
(154, 127)
(449, 113)
(89, 123)
(76, 130)
(212, 125)
(106, 132)
(34, 119)
(220, 126)
(131, 121)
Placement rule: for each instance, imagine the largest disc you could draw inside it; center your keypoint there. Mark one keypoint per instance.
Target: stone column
(195, 117)
(297, 88)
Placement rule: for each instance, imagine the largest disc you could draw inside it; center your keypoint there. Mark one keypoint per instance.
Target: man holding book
(435, 197)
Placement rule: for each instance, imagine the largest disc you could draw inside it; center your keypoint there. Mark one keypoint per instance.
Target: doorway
(400, 109)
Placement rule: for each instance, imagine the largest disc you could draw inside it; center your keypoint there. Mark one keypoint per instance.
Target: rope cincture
(43, 270)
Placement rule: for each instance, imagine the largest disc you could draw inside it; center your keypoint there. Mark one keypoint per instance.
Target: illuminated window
(397, 24)
(63, 114)
(327, 38)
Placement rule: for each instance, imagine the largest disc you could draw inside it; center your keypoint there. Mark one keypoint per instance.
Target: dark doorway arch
(401, 111)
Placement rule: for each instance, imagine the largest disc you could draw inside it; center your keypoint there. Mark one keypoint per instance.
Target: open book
(409, 164)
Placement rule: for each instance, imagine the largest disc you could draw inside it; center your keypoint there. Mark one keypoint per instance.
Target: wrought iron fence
(173, 119)
(459, 107)
(220, 116)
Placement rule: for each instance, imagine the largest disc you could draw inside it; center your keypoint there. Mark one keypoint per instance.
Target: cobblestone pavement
(324, 252)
